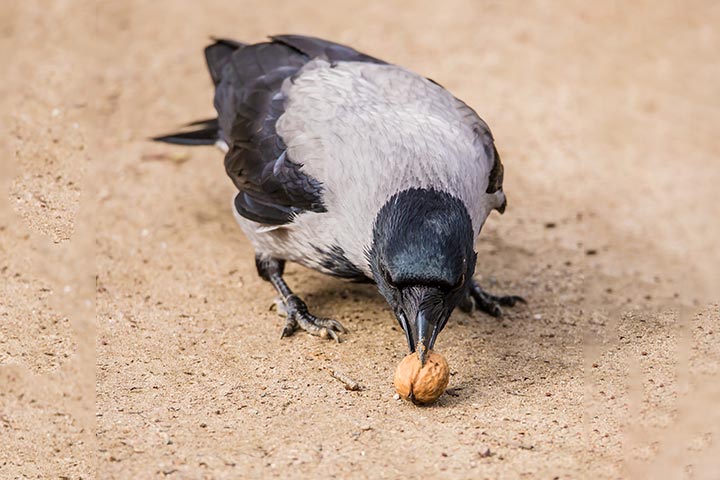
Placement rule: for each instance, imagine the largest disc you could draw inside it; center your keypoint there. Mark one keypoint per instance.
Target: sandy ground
(136, 340)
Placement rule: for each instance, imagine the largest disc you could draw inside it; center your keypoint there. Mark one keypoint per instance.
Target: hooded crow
(356, 168)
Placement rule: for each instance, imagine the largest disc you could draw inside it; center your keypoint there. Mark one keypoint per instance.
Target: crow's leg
(487, 302)
(271, 269)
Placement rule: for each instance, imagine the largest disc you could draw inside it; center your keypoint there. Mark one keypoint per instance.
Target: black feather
(257, 210)
(495, 182)
(317, 47)
(203, 136)
(207, 123)
(334, 261)
(218, 54)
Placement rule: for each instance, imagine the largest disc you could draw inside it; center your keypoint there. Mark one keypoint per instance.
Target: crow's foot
(479, 299)
(298, 317)
(289, 304)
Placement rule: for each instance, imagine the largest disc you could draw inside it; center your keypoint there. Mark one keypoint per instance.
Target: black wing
(273, 188)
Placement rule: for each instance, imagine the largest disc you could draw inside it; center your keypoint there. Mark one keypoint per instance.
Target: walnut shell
(422, 385)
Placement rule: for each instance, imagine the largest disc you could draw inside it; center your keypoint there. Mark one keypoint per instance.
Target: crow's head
(422, 260)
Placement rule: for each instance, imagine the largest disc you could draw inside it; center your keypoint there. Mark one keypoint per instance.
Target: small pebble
(537, 316)
(396, 396)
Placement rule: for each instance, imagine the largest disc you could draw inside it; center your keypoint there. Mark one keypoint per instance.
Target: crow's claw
(290, 326)
(299, 317)
(487, 302)
(509, 300)
(467, 304)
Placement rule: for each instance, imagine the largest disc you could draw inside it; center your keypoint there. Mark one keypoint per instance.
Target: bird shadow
(339, 296)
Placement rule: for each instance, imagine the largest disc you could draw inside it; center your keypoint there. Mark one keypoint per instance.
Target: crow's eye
(460, 283)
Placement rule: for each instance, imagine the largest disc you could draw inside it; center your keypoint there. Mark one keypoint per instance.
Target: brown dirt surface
(136, 340)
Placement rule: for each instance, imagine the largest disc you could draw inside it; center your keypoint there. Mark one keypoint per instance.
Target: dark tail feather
(207, 123)
(218, 54)
(207, 135)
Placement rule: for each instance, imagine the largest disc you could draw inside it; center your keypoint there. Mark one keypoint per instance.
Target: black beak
(425, 318)
(426, 327)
